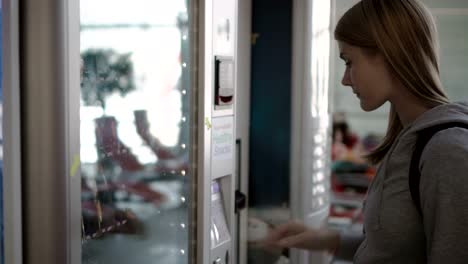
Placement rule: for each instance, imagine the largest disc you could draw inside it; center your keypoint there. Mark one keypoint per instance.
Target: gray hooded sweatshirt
(393, 229)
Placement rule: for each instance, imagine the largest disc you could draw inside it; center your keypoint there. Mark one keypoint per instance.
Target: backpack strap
(414, 174)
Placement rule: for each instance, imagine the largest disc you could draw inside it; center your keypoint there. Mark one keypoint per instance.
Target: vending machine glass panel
(135, 136)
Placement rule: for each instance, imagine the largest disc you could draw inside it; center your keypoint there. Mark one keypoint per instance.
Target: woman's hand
(297, 235)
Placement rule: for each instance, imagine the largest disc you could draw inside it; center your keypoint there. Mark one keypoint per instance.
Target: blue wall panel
(270, 134)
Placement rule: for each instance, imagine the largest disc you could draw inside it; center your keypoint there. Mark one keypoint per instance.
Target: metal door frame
(49, 69)
(243, 48)
(11, 131)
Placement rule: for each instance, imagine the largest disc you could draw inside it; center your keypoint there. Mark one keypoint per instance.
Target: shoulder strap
(414, 174)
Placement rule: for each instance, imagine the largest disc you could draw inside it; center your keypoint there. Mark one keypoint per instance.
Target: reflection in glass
(135, 91)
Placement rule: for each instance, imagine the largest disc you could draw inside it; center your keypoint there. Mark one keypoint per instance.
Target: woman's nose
(346, 81)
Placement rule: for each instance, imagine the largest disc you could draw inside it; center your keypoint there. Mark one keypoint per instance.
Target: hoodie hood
(451, 112)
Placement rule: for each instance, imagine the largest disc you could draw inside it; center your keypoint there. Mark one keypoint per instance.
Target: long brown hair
(404, 32)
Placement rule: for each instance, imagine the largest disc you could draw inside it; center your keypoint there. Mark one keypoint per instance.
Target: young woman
(390, 51)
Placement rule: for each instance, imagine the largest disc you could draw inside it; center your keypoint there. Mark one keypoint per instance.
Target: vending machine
(128, 150)
(218, 115)
(311, 129)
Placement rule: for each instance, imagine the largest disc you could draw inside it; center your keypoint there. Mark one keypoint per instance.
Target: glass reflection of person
(389, 48)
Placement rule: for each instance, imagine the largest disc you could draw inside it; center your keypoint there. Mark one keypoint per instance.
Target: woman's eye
(347, 63)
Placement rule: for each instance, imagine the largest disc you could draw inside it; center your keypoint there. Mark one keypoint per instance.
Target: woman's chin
(368, 107)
